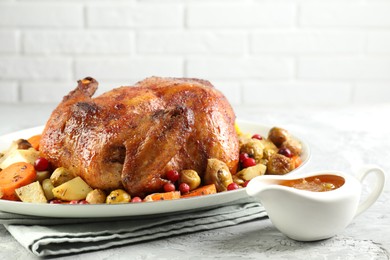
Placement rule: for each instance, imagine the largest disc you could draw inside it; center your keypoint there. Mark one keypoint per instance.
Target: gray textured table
(341, 138)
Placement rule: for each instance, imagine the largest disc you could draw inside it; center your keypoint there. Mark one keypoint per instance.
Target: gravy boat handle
(377, 189)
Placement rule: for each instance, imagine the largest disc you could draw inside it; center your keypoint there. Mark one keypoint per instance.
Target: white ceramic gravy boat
(306, 215)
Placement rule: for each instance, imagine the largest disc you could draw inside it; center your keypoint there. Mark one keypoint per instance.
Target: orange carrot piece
(34, 141)
(204, 190)
(170, 195)
(296, 160)
(15, 176)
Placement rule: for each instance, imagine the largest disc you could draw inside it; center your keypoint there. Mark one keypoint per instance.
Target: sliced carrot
(170, 195)
(297, 161)
(34, 141)
(15, 176)
(204, 190)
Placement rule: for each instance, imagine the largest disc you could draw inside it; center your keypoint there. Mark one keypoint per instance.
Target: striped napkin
(59, 236)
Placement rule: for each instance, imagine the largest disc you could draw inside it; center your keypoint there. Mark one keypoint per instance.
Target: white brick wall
(317, 52)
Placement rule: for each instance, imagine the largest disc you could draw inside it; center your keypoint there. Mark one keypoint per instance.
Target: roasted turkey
(131, 136)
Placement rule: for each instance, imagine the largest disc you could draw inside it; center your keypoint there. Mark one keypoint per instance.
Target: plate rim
(131, 209)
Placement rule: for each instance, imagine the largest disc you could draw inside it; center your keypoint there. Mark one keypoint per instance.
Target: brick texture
(41, 14)
(257, 53)
(78, 42)
(8, 91)
(37, 68)
(9, 42)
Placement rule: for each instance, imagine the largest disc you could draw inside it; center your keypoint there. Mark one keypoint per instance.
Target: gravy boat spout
(314, 206)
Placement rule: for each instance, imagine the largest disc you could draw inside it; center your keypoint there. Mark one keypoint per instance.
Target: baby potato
(293, 145)
(60, 176)
(217, 173)
(190, 177)
(279, 164)
(118, 196)
(269, 149)
(278, 135)
(96, 196)
(254, 148)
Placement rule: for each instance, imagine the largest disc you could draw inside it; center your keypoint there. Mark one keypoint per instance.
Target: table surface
(341, 138)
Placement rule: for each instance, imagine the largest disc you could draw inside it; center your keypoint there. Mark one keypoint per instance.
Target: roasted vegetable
(75, 189)
(278, 135)
(279, 164)
(34, 141)
(96, 196)
(190, 177)
(118, 196)
(238, 180)
(254, 148)
(293, 145)
(60, 176)
(269, 148)
(15, 176)
(217, 173)
(32, 192)
(48, 187)
(170, 195)
(249, 173)
(42, 175)
(204, 190)
(23, 144)
(19, 155)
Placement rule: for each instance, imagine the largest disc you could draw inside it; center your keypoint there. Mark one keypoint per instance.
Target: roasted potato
(278, 135)
(96, 196)
(217, 173)
(18, 155)
(190, 177)
(269, 148)
(60, 176)
(20, 144)
(32, 193)
(118, 196)
(238, 180)
(279, 164)
(254, 148)
(75, 189)
(293, 145)
(249, 173)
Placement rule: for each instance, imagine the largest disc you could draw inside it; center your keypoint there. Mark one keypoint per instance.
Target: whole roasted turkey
(131, 136)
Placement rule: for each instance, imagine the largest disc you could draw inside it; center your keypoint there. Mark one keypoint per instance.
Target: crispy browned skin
(131, 136)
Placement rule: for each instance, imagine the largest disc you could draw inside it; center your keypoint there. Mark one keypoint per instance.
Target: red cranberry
(243, 156)
(55, 202)
(233, 186)
(286, 152)
(83, 202)
(74, 202)
(41, 164)
(248, 162)
(184, 188)
(136, 199)
(172, 175)
(169, 187)
(245, 184)
(257, 136)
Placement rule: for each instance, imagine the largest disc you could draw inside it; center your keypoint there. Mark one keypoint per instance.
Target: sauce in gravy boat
(314, 206)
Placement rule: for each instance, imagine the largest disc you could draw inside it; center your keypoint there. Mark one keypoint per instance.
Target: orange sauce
(317, 183)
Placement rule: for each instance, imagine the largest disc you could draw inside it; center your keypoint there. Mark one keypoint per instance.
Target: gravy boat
(306, 215)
